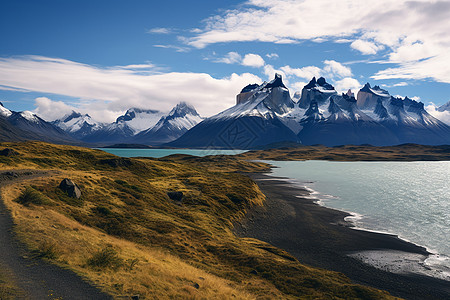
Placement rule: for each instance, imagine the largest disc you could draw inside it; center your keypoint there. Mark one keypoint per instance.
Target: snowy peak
(136, 119)
(77, 124)
(368, 96)
(71, 116)
(276, 82)
(29, 116)
(183, 109)
(267, 99)
(445, 107)
(376, 90)
(171, 126)
(320, 84)
(4, 112)
(319, 90)
(133, 113)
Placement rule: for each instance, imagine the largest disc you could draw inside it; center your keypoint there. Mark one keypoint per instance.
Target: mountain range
(264, 115)
(143, 126)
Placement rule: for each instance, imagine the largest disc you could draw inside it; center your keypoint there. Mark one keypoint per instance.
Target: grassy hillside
(126, 235)
(405, 152)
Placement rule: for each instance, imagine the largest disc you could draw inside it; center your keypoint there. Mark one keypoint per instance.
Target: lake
(157, 153)
(409, 199)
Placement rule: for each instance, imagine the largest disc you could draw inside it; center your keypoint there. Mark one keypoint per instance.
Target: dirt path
(36, 277)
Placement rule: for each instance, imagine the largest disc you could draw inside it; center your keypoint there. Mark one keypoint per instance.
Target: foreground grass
(127, 236)
(406, 152)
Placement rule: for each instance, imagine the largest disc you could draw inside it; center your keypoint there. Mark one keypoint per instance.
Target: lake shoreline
(320, 237)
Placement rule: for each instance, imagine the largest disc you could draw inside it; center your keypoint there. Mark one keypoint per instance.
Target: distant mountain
(136, 126)
(25, 125)
(255, 120)
(78, 125)
(171, 126)
(445, 107)
(120, 131)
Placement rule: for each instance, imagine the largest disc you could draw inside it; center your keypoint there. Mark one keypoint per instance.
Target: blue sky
(103, 57)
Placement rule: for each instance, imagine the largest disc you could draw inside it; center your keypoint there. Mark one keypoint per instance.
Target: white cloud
(160, 30)
(414, 34)
(444, 116)
(107, 92)
(176, 48)
(343, 85)
(437, 68)
(401, 84)
(366, 47)
(51, 110)
(333, 68)
(253, 60)
(249, 60)
(270, 72)
(272, 55)
(305, 72)
(230, 58)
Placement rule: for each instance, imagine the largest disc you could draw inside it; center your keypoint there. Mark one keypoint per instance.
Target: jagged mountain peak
(74, 115)
(444, 107)
(276, 82)
(182, 109)
(249, 87)
(132, 112)
(376, 90)
(320, 84)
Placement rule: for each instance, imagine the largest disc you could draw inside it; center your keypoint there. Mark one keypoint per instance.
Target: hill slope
(125, 226)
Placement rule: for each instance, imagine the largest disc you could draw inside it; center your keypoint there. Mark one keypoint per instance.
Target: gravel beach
(320, 237)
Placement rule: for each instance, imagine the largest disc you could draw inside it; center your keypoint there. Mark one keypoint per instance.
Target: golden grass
(406, 152)
(166, 249)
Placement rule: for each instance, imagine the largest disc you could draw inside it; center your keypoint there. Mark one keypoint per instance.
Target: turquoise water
(157, 153)
(410, 199)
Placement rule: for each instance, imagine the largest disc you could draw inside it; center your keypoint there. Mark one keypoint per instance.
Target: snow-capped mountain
(375, 117)
(4, 112)
(125, 127)
(255, 120)
(265, 114)
(171, 126)
(444, 107)
(25, 125)
(143, 126)
(137, 119)
(78, 125)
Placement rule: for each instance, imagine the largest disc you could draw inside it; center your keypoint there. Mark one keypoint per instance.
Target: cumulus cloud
(110, 91)
(333, 68)
(253, 60)
(231, 58)
(366, 47)
(413, 34)
(305, 72)
(51, 110)
(347, 83)
(444, 116)
(335, 73)
(249, 60)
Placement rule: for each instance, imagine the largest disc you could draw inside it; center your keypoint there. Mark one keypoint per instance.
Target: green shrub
(106, 258)
(32, 196)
